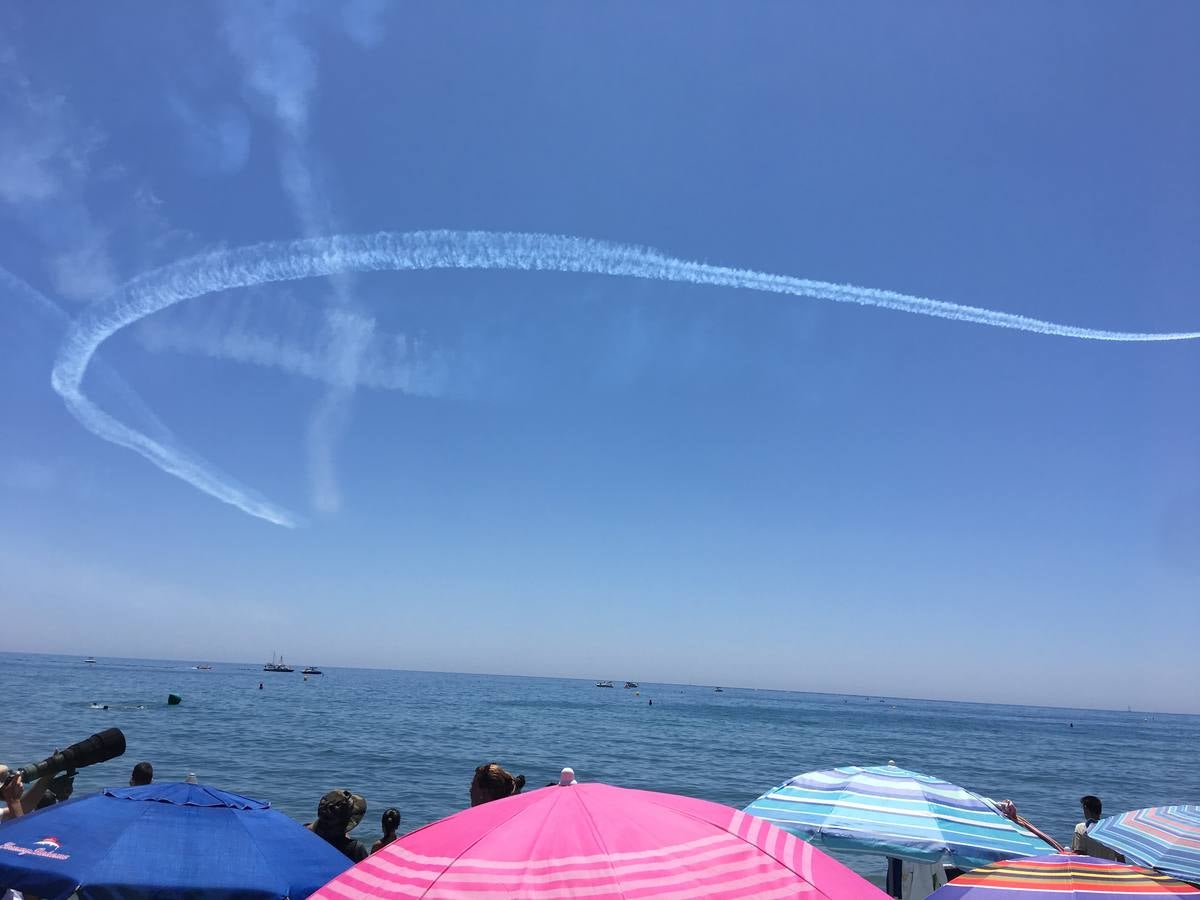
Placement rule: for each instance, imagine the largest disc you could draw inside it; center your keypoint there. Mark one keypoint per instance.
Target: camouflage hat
(341, 806)
(358, 809)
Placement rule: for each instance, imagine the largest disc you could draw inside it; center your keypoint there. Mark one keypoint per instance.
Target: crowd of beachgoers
(339, 812)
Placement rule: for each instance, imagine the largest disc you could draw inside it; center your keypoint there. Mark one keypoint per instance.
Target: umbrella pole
(895, 877)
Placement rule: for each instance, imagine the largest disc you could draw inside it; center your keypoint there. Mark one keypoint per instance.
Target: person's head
(1091, 806)
(143, 773)
(493, 782)
(338, 812)
(391, 820)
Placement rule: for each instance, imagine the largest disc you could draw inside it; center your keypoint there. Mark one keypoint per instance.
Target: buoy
(174, 699)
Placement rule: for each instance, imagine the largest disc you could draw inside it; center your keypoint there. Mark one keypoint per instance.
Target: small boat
(91, 660)
(719, 690)
(631, 684)
(280, 666)
(312, 670)
(203, 667)
(604, 684)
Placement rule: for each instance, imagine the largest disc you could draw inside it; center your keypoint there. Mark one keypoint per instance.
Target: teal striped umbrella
(890, 811)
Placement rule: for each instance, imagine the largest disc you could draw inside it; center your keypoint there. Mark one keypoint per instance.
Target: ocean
(413, 739)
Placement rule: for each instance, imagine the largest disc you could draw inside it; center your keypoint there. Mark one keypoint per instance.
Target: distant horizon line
(724, 686)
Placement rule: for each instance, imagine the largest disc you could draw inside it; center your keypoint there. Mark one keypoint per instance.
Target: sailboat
(280, 666)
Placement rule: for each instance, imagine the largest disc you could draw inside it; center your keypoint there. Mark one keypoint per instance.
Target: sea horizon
(192, 661)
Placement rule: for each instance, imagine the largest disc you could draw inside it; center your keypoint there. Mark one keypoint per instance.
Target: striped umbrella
(1162, 837)
(598, 842)
(890, 811)
(1061, 877)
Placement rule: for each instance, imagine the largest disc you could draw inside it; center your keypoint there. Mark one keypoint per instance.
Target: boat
(312, 670)
(719, 690)
(604, 684)
(631, 684)
(203, 667)
(280, 666)
(91, 660)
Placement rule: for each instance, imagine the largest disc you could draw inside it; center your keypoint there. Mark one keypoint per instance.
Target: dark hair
(1091, 806)
(391, 819)
(495, 782)
(143, 773)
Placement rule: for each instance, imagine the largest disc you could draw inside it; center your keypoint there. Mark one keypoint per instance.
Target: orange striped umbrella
(1061, 877)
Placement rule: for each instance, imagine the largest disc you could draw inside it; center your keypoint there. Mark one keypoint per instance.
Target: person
(143, 773)
(1084, 843)
(493, 782)
(10, 793)
(16, 800)
(338, 813)
(390, 822)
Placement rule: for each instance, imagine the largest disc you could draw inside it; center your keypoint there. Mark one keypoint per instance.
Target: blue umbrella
(164, 840)
(1166, 838)
(892, 812)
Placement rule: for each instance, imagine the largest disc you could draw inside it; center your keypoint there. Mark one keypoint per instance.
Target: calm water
(413, 739)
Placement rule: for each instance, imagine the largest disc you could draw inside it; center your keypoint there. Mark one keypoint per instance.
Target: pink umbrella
(598, 841)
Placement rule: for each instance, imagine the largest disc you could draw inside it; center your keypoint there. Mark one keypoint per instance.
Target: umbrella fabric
(1162, 837)
(1061, 877)
(597, 841)
(177, 840)
(890, 811)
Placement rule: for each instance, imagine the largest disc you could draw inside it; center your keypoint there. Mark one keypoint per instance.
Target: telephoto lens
(100, 747)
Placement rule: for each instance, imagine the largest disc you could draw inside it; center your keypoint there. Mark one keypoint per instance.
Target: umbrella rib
(267, 864)
(763, 850)
(463, 852)
(607, 856)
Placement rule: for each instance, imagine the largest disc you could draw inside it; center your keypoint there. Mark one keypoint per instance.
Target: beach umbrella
(1061, 877)
(1166, 838)
(890, 811)
(164, 840)
(598, 841)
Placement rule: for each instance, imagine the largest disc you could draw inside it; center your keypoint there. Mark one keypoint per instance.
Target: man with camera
(18, 801)
(100, 747)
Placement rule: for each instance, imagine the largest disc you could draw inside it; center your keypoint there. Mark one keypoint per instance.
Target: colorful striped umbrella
(599, 842)
(1162, 837)
(1061, 877)
(890, 811)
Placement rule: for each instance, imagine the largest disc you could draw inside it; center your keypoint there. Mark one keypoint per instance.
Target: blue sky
(581, 474)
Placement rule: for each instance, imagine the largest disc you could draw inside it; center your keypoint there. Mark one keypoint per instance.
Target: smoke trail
(390, 251)
(105, 375)
(162, 448)
(281, 69)
(390, 362)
